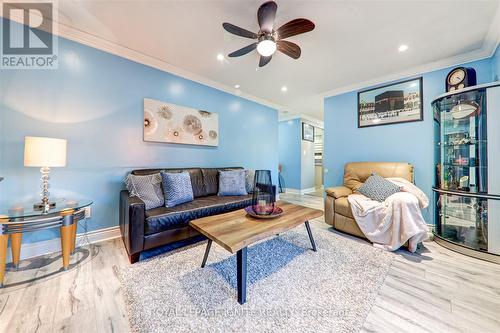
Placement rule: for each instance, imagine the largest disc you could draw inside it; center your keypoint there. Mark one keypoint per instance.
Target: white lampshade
(44, 152)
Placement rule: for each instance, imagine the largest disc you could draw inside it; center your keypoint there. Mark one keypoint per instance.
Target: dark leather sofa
(143, 229)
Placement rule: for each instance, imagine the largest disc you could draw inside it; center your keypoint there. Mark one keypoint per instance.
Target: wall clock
(460, 78)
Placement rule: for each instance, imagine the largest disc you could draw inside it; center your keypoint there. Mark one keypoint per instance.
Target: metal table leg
(241, 266)
(308, 227)
(207, 251)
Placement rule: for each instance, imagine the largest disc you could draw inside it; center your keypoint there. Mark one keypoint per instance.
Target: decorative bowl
(276, 213)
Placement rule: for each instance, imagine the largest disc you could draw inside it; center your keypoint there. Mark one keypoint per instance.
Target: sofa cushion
(177, 188)
(194, 173)
(342, 207)
(210, 180)
(232, 183)
(147, 188)
(356, 173)
(163, 218)
(378, 188)
(249, 180)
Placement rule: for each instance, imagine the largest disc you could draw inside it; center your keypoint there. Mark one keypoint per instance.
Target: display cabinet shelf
(467, 157)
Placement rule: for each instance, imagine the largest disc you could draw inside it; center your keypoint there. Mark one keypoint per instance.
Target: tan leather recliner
(338, 210)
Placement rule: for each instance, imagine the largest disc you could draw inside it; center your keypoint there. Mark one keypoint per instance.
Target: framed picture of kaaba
(399, 102)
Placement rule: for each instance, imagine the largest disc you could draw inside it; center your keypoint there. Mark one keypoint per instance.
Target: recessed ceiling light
(220, 57)
(284, 89)
(403, 48)
(237, 86)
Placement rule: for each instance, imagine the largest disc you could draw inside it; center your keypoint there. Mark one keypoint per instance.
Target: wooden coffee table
(235, 231)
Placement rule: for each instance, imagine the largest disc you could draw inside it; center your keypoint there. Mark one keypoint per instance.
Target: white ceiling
(354, 41)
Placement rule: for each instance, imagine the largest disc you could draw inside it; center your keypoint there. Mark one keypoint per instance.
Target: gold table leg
(4, 239)
(15, 245)
(66, 237)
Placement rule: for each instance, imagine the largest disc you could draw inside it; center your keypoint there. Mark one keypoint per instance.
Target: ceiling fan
(268, 39)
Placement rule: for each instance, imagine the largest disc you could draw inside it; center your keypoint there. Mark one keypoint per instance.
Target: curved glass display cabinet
(467, 155)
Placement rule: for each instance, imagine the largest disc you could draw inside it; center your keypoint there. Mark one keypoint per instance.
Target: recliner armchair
(337, 208)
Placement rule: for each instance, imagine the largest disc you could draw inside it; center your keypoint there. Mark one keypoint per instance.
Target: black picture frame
(385, 89)
(309, 136)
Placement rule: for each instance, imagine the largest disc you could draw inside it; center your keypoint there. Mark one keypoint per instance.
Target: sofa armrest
(132, 219)
(338, 192)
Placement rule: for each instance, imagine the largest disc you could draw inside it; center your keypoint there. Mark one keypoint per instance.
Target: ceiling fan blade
(266, 15)
(243, 50)
(264, 60)
(295, 27)
(289, 48)
(238, 31)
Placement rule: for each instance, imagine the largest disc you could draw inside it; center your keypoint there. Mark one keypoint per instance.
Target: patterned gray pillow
(232, 183)
(147, 188)
(249, 180)
(378, 188)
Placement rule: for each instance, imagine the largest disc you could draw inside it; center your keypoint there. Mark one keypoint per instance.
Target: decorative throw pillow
(249, 180)
(378, 188)
(147, 188)
(232, 183)
(177, 188)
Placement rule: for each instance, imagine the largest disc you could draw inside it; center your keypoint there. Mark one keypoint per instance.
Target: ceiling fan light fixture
(268, 40)
(266, 46)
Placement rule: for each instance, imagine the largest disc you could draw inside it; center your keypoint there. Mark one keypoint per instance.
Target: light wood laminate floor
(435, 290)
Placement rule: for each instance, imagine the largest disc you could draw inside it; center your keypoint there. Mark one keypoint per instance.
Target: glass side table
(16, 220)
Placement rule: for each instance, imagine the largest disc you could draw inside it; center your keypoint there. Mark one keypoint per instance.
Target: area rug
(290, 287)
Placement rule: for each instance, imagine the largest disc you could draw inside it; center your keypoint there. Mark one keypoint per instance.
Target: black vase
(263, 193)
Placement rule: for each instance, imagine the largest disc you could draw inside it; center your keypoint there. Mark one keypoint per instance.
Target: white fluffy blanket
(398, 219)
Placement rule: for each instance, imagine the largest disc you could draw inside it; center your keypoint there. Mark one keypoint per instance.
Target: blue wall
(410, 142)
(289, 152)
(495, 64)
(95, 100)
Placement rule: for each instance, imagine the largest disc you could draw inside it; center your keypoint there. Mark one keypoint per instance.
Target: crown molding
(117, 49)
(492, 39)
(306, 118)
(490, 43)
(488, 48)
(429, 67)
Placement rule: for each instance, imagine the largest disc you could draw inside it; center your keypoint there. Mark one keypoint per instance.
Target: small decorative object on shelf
(263, 193)
(460, 77)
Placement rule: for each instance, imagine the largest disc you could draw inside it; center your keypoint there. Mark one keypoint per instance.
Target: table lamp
(44, 153)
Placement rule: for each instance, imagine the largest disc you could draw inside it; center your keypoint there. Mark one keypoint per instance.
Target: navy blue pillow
(177, 188)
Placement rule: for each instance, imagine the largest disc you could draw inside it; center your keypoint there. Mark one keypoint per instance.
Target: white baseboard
(308, 190)
(37, 249)
(301, 192)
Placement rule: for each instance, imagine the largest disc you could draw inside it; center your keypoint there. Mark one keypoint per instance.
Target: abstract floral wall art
(166, 122)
